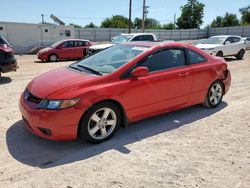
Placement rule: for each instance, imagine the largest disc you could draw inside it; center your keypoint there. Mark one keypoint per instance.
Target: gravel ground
(194, 147)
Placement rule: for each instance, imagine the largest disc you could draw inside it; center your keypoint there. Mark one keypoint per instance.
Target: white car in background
(132, 37)
(224, 45)
(247, 42)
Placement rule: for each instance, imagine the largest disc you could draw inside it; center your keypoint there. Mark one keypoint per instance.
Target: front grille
(31, 98)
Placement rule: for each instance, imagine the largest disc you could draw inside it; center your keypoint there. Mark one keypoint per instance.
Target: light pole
(130, 22)
(143, 16)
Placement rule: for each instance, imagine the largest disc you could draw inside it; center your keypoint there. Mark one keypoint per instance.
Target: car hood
(208, 45)
(56, 80)
(45, 50)
(101, 46)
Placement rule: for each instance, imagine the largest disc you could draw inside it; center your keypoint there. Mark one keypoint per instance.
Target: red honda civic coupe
(65, 49)
(120, 85)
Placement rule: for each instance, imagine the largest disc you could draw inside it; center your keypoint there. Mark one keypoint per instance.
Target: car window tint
(229, 39)
(235, 39)
(195, 58)
(138, 38)
(165, 59)
(81, 43)
(148, 38)
(1, 41)
(68, 44)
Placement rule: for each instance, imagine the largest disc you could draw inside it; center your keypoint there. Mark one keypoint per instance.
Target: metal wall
(25, 36)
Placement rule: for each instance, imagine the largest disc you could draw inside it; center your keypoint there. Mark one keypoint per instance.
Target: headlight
(57, 104)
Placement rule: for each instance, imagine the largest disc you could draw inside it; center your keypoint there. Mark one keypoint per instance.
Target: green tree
(90, 25)
(116, 21)
(230, 20)
(75, 25)
(217, 22)
(169, 26)
(192, 15)
(150, 23)
(137, 23)
(245, 15)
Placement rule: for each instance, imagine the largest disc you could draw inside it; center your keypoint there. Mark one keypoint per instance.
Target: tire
(53, 58)
(240, 54)
(214, 95)
(100, 123)
(219, 54)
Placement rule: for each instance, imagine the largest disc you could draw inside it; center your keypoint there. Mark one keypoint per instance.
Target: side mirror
(140, 72)
(227, 42)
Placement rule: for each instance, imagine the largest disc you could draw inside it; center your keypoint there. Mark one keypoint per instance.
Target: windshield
(214, 40)
(121, 38)
(56, 44)
(111, 59)
(4, 41)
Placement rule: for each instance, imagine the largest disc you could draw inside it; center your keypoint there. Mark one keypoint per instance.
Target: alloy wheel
(102, 123)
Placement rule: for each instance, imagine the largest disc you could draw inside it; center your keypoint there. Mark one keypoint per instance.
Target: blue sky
(84, 11)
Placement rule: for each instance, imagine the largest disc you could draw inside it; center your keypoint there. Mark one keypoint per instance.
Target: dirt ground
(194, 147)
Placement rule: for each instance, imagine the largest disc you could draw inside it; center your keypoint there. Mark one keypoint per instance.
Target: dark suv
(7, 60)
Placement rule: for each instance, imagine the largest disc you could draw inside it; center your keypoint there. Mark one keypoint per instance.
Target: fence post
(109, 34)
(94, 34)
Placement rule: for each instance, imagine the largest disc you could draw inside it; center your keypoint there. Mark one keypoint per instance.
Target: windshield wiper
(74, 67)
(90, 69)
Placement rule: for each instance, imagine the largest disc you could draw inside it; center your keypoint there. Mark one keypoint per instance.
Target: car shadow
(5, 80)
(231, 59)
(37, 152)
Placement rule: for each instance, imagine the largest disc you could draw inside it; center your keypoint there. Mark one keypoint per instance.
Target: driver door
(167, 86)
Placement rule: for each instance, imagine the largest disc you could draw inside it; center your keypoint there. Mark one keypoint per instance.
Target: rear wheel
(219, 54)
(53, 58)
(100, 123)
(214, 95)
(240, 54)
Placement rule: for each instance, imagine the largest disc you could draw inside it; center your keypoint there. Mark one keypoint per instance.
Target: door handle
(184, 74)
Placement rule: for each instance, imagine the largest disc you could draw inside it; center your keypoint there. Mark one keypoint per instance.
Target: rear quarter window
(195, 58)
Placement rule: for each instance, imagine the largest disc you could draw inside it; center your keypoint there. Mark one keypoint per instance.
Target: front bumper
(8, 65)
(227, 82)
(61, 124)
(210, 52)
(42, 56)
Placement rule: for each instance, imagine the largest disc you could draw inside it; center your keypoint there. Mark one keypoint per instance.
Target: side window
(148, 38)
(229, 39)
(248, 39)
(138, 38)
(165, 59)
(68, 44)
(195, 58)
(1, 41)
(235, 39)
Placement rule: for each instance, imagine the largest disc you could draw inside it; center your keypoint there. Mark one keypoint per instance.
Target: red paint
(140, 97)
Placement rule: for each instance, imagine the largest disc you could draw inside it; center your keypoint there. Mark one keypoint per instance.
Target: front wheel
(240, 54)
(53, 58)
(100, 123)
(219, 54)
(214, 95)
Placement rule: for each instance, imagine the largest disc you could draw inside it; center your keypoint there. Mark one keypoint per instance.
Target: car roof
(136, 34)
(64, 40)
(227, 36)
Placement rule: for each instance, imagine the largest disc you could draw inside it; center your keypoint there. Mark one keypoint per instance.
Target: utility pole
(42, 18)
(143, 15)
(130, 22)
(174, 19)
